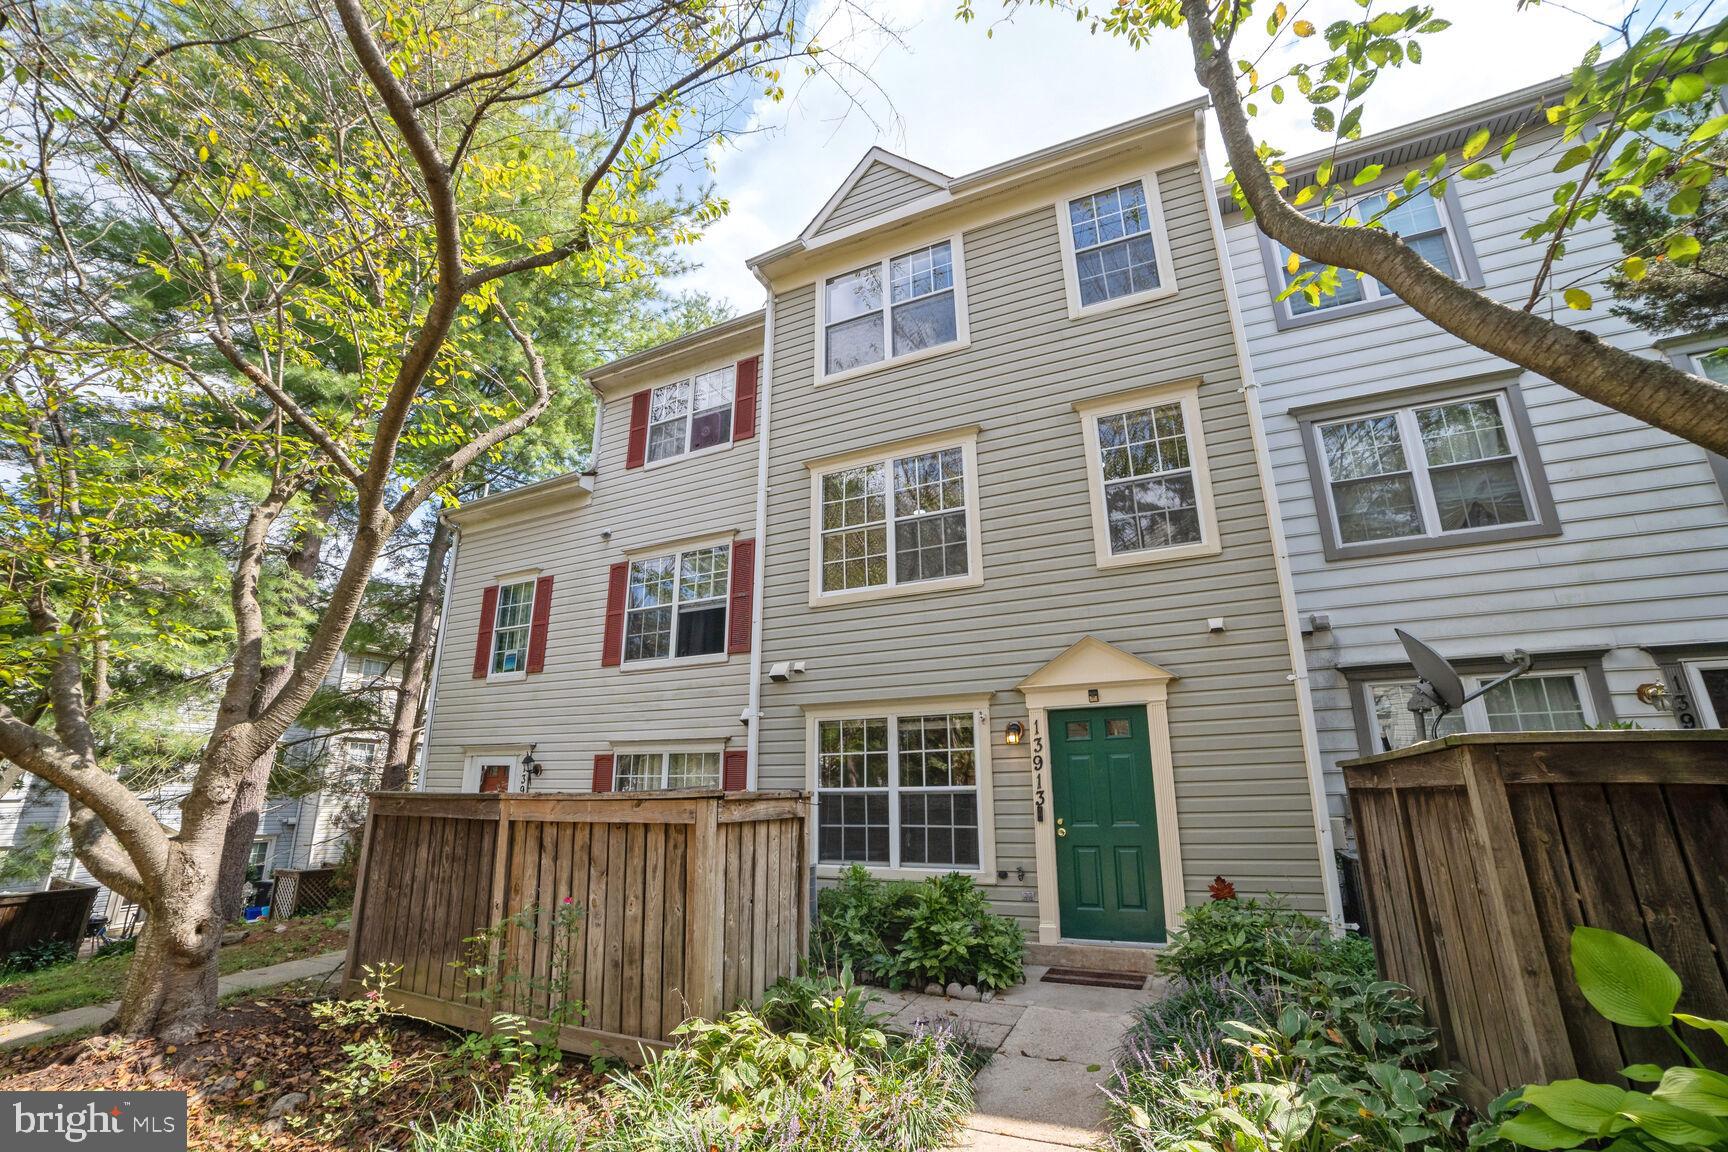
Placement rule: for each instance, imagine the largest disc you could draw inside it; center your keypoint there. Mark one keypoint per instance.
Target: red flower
(1221, 889)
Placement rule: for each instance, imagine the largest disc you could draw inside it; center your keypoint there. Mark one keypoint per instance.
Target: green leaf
(1675, 1125)
(1368, 174)
(1572, 158)
(1323, 174)
(1682, 249)
(1685, 88)
(1698, 1089)
(1644, 1073)
(1709, 130)
(1685, 202)
(1324, 120)
(1720, 1027)
(1623, 980)
(1477, 171)
(1533, 1128)
(1579, 1104)
(1478, 141)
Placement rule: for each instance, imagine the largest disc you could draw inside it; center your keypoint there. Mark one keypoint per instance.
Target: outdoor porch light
(1015, 731)
(530, 767)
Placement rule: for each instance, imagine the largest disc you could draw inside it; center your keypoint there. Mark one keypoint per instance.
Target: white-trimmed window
(658, 770)
(1151, 495)
(1419, 219)
(675, 605)
(1535, 702)
(902, 520)
(258, 859)
(687, 416)
(1709, 691)
(1114, 245)
(374, 667)
(899, 307)
(511, 626)
(900, 790)
(1439, 469)
(360, 753)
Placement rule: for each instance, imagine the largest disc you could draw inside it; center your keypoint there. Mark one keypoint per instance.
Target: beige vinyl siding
(1241, 784)
(1643, 553)
(575, 707)
(882, 188)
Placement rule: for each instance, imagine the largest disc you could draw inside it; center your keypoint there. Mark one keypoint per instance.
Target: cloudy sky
(953, 99)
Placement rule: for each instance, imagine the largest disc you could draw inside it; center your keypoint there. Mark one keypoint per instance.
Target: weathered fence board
(61, 913)
(1480, 853)
(692, 902)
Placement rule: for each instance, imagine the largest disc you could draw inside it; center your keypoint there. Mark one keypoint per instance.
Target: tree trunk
(411, 693)
(171, 984)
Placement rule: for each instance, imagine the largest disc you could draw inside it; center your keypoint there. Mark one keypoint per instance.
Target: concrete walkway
(1053, 1045)
(95, 1015)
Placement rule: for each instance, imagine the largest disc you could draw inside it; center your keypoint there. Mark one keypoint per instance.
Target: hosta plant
(1688, 1107)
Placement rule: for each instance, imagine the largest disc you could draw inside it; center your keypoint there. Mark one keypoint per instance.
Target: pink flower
(567, 899)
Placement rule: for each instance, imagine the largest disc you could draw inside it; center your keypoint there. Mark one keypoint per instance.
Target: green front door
(1107, 874)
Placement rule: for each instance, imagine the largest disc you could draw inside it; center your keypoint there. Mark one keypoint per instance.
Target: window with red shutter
(744, 399)
(612, 643)
(539, 624)
(483, 640)
(636, 448)
(743, 597)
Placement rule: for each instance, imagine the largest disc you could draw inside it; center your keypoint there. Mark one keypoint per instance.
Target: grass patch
(100, 979)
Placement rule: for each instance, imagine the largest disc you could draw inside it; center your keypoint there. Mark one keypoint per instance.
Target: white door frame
(1094, 674)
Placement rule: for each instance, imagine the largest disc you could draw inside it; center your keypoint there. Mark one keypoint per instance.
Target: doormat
(1093, 979)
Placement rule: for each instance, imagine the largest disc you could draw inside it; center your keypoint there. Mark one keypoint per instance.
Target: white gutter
(438, 657)
(764, 391)
(1280, 554)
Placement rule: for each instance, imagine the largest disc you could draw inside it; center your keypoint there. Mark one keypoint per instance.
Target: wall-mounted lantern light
(1015, 731)
(530, 768)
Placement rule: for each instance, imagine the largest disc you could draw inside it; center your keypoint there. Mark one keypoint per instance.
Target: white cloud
(960, 101)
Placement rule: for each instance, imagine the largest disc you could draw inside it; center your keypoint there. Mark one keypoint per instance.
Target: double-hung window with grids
(689, 415)
(898, 521)
(675, 605)
(1419, 219)
(1534, 702)
(899, 791)
(901, 306)
(655, 771)
(511, 627)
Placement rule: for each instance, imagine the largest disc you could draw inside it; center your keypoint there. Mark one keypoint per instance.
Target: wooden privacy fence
(692, 902)
(1480, 854)
(61, 913)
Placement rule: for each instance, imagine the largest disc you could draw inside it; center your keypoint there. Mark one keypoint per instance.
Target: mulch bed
(255, 1054)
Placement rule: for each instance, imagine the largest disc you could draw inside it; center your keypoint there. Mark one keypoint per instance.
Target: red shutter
(735, 775)
(483, 642)
(612, 645)
(744, 399)
(636, 451)
(743, 595)
(537, 624)
(603, 772)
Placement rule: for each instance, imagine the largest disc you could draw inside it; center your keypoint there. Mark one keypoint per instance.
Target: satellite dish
(1439, 688)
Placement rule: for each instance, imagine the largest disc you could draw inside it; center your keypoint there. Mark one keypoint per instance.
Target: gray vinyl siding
(881, 189)
(1642, 557)
(1242, 793)
(576, 707)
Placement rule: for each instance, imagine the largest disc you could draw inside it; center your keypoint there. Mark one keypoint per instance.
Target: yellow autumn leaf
(1302, 28)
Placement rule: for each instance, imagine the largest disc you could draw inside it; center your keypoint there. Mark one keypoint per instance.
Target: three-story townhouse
(1004, 521)
(1427, 485)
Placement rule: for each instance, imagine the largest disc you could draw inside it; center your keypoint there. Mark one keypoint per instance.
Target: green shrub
(904, 933)
(523, 1119)
(117, 948)
(736, 1083)
(38, 956)
(1245, 940)
(834, 1011)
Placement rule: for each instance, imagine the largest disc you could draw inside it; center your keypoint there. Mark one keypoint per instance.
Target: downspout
(437, 658)
(765, 392)
(1280, 548)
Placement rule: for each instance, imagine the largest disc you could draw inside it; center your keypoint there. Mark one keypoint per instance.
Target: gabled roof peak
(877, 155)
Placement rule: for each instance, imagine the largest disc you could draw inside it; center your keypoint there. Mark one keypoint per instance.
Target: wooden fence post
(500, 879)
(707, 881)
(357, 917)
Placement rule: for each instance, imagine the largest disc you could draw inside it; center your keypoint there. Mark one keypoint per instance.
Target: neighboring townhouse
(1424, 484)
(598, 625)
(1014, 597)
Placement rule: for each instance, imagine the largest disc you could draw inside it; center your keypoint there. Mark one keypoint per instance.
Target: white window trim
(979, 706)
(269, 862)
(665, 749)
(532, 579)
(1160, 244)
(1701, 703)
(965, 439)
(1187, 393)
(1374, 294)
(1416, 463)
(675, 549)
(1475, 712)
(690, 376)
(473, 758)
(962, 325)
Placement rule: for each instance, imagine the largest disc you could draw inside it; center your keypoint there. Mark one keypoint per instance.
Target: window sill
(1106, 559)
(892, 362)
(890, 591)
(1469, 538)
(686, 457)
(980, 875)
(673, 663)
(506, 677)
(1079, 311)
